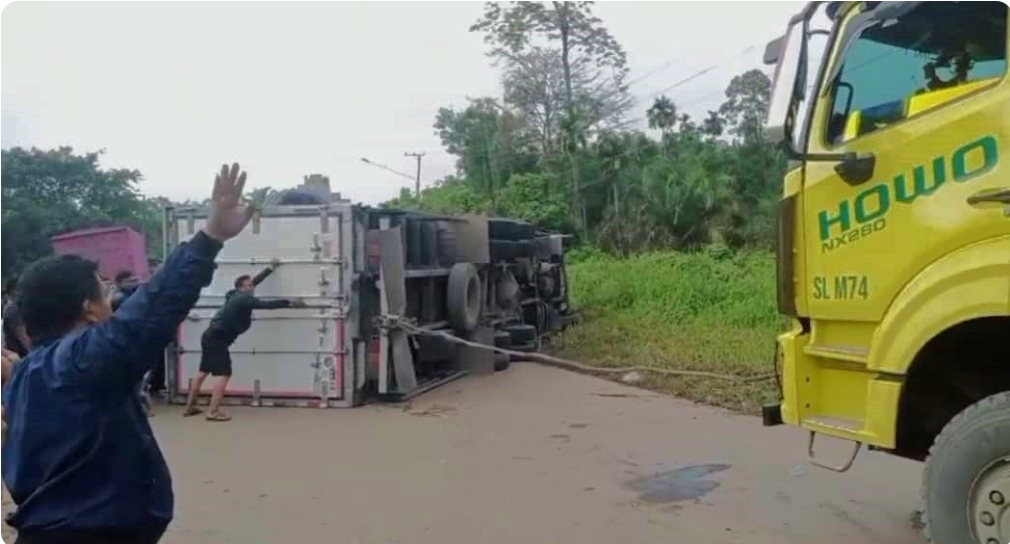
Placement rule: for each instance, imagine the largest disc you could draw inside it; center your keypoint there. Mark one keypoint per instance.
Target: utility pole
(417, 181)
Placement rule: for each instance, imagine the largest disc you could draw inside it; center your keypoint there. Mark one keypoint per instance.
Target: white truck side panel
(287, 353)
(308, 257)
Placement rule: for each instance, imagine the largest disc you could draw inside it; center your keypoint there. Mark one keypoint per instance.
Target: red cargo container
(113, 248)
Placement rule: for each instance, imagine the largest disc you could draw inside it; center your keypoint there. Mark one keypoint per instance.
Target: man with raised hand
(80, 459)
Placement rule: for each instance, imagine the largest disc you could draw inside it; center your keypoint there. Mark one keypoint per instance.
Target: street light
(386, 168)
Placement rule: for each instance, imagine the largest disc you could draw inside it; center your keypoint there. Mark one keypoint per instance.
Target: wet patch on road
(683, 484)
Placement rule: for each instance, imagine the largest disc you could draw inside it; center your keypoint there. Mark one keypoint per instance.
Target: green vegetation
(712, 311)
(558, 148)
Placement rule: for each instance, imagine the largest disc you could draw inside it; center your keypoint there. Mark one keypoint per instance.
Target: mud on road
(529, 455)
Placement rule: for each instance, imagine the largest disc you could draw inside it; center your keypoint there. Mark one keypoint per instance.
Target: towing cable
(395, 322)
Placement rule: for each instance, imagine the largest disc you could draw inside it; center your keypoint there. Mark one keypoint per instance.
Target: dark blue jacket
(122, 295)
(79, 452)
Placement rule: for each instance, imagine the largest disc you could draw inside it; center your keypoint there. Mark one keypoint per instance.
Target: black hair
(123, 275)
(239, 281)
(11, 285)
(52, 294)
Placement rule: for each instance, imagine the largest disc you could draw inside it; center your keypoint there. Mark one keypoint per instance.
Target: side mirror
(857, 168)
(786, 52)
(773, 51)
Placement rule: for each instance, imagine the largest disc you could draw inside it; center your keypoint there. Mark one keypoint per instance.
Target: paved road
(529, 455)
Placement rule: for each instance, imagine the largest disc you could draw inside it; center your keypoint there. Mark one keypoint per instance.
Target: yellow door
(932, 150)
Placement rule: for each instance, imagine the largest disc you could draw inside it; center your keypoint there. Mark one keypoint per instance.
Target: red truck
(113, 248)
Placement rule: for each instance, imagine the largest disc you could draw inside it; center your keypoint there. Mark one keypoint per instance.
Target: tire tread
(956, 424)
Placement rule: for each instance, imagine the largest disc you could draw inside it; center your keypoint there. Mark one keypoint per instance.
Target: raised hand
(229, 214)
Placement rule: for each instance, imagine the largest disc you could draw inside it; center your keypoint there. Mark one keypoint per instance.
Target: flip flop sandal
(192, 412)
(218, 417)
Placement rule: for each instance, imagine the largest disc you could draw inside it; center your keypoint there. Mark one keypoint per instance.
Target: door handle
(999, 195)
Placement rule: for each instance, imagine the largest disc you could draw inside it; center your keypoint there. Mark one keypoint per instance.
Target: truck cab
(894, 244)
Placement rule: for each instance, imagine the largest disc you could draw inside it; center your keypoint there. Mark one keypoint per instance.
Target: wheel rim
(989, 504)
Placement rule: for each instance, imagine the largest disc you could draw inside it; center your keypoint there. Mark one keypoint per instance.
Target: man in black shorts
(230, 322)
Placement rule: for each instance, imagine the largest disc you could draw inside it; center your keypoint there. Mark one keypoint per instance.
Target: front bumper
(771, 415)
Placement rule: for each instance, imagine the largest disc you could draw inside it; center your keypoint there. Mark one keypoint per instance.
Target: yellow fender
(971, 283)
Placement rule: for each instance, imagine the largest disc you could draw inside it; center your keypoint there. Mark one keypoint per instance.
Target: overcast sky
(287, 89)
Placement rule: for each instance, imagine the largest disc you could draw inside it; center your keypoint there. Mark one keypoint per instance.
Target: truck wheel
(524, 338)
(463, 297)
(966, 483)
(446, 242)
(502, 340)
(429, 243)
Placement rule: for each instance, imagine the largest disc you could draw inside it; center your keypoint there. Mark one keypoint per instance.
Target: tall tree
(714, 125)
(747, 99)
(48, 192)
(580, 38)
(534, 84)
(489, 141)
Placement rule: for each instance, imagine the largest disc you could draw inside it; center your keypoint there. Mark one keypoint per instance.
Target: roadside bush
(713, 310)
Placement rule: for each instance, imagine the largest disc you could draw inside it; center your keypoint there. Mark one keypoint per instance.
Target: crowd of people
(80, 459)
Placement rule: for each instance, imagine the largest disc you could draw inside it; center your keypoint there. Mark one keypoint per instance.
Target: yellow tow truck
(894, 245)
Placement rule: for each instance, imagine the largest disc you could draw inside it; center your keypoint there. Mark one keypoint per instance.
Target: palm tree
(662, 115)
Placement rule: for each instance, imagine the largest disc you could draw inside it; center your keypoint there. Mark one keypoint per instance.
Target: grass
(712, 311)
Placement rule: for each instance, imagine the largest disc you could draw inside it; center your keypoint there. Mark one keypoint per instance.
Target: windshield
(896, 68)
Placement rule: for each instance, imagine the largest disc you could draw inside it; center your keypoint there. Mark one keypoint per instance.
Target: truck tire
(446, 241)
(506, 250)
(522, 335)
(429, 243)
(463, 297)
(413, 242)
(509, 229)
(502, 340)
(966, 482)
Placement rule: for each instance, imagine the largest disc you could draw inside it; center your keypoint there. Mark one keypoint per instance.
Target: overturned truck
(387, 292)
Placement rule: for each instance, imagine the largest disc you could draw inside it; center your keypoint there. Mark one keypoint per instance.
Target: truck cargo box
(113, 248)
(298, 356)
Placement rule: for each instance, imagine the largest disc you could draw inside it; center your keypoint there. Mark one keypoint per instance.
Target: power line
(671, 62)
(705, 71)
(688, 79)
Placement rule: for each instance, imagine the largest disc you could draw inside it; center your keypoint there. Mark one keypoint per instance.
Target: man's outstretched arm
(115, 354)
(260, 304)
(263, 274)
(258, 278)
(126, 346)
